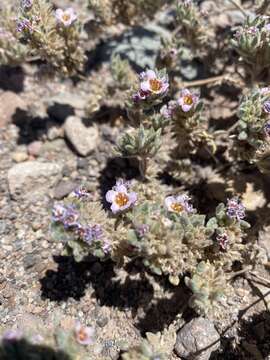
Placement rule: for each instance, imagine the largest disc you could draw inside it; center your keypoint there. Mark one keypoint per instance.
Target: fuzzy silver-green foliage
(12, 52)
(252, 118)
(154, 347)
(208, 285)
(122, 72)
(109, 12)
(235, 231)
(59, 46)
(193, 27)
(252, 42)
(167, 243)
(252, 138)
(190, 130)
(91, 213)
(142, 143)
(40, 342)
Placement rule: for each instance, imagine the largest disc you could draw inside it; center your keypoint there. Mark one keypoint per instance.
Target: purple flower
(120, 198)
(179, 204)
(140, 95)
(12, 335)
(81, 193)
(23, 25)
(89, 233)
(84, 334)
(252, 30)
(267, 27)
(265, 90)
(187, 100)
(58, 212)
(267, 128)
(166, 111)
(26, 4)
(142, 230)
(70, 218)
(223, 240)
(266, 106)
(65, 17)
(106, 247)
(153, 84)
(235, 209)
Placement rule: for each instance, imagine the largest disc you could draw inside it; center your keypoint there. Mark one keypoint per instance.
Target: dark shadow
(71, 280)
(59, 112)
(23, 350)
(30, 129)
(162, 312)
(254, 337)
(12, 78)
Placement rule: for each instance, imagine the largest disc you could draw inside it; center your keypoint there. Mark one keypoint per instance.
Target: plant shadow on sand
(253, 343)
(23, 350)
(71, 280)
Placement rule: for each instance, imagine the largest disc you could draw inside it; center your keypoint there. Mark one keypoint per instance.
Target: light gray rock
(32, 176)
(11, 104)
(195, 336)
(63, 189)
(84, 139)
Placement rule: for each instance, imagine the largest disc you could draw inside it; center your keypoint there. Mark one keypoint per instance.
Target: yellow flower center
(155, 85)
(66, 17)
(178, 208)
(121, 199)
(82, 335)
(188, 100)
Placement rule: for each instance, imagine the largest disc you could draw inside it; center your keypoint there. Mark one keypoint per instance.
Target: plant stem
(239, 7)
(203, 81)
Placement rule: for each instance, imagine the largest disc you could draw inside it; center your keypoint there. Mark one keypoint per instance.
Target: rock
(11, 104)
(19, 157)
(32, 176)
(84, 139)
(195, 336)
(63, 189)
(34, 148)
(29, 261)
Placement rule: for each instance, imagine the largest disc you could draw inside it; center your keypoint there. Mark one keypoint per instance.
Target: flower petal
(132, 197)
(168, 201)
(110, 195)
(151, 74)
(145, 86)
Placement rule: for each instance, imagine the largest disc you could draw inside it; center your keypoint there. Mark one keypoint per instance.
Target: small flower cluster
(53, 35)
(153, 86)
(251, 41)
(185, 105)
(70, 217)
(235, 209)
(179, 204)
(120, 197)
(65, 17)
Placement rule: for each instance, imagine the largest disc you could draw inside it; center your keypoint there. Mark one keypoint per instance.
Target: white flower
(120, 198)
(84, 334)
(65, 17)
(178, 204)
(151, 83)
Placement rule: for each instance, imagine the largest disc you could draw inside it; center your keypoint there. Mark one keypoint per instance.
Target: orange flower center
(121, 199)
(82, 335)
(188, 100)
(155, 85)
(178, 208)
(66, 17)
